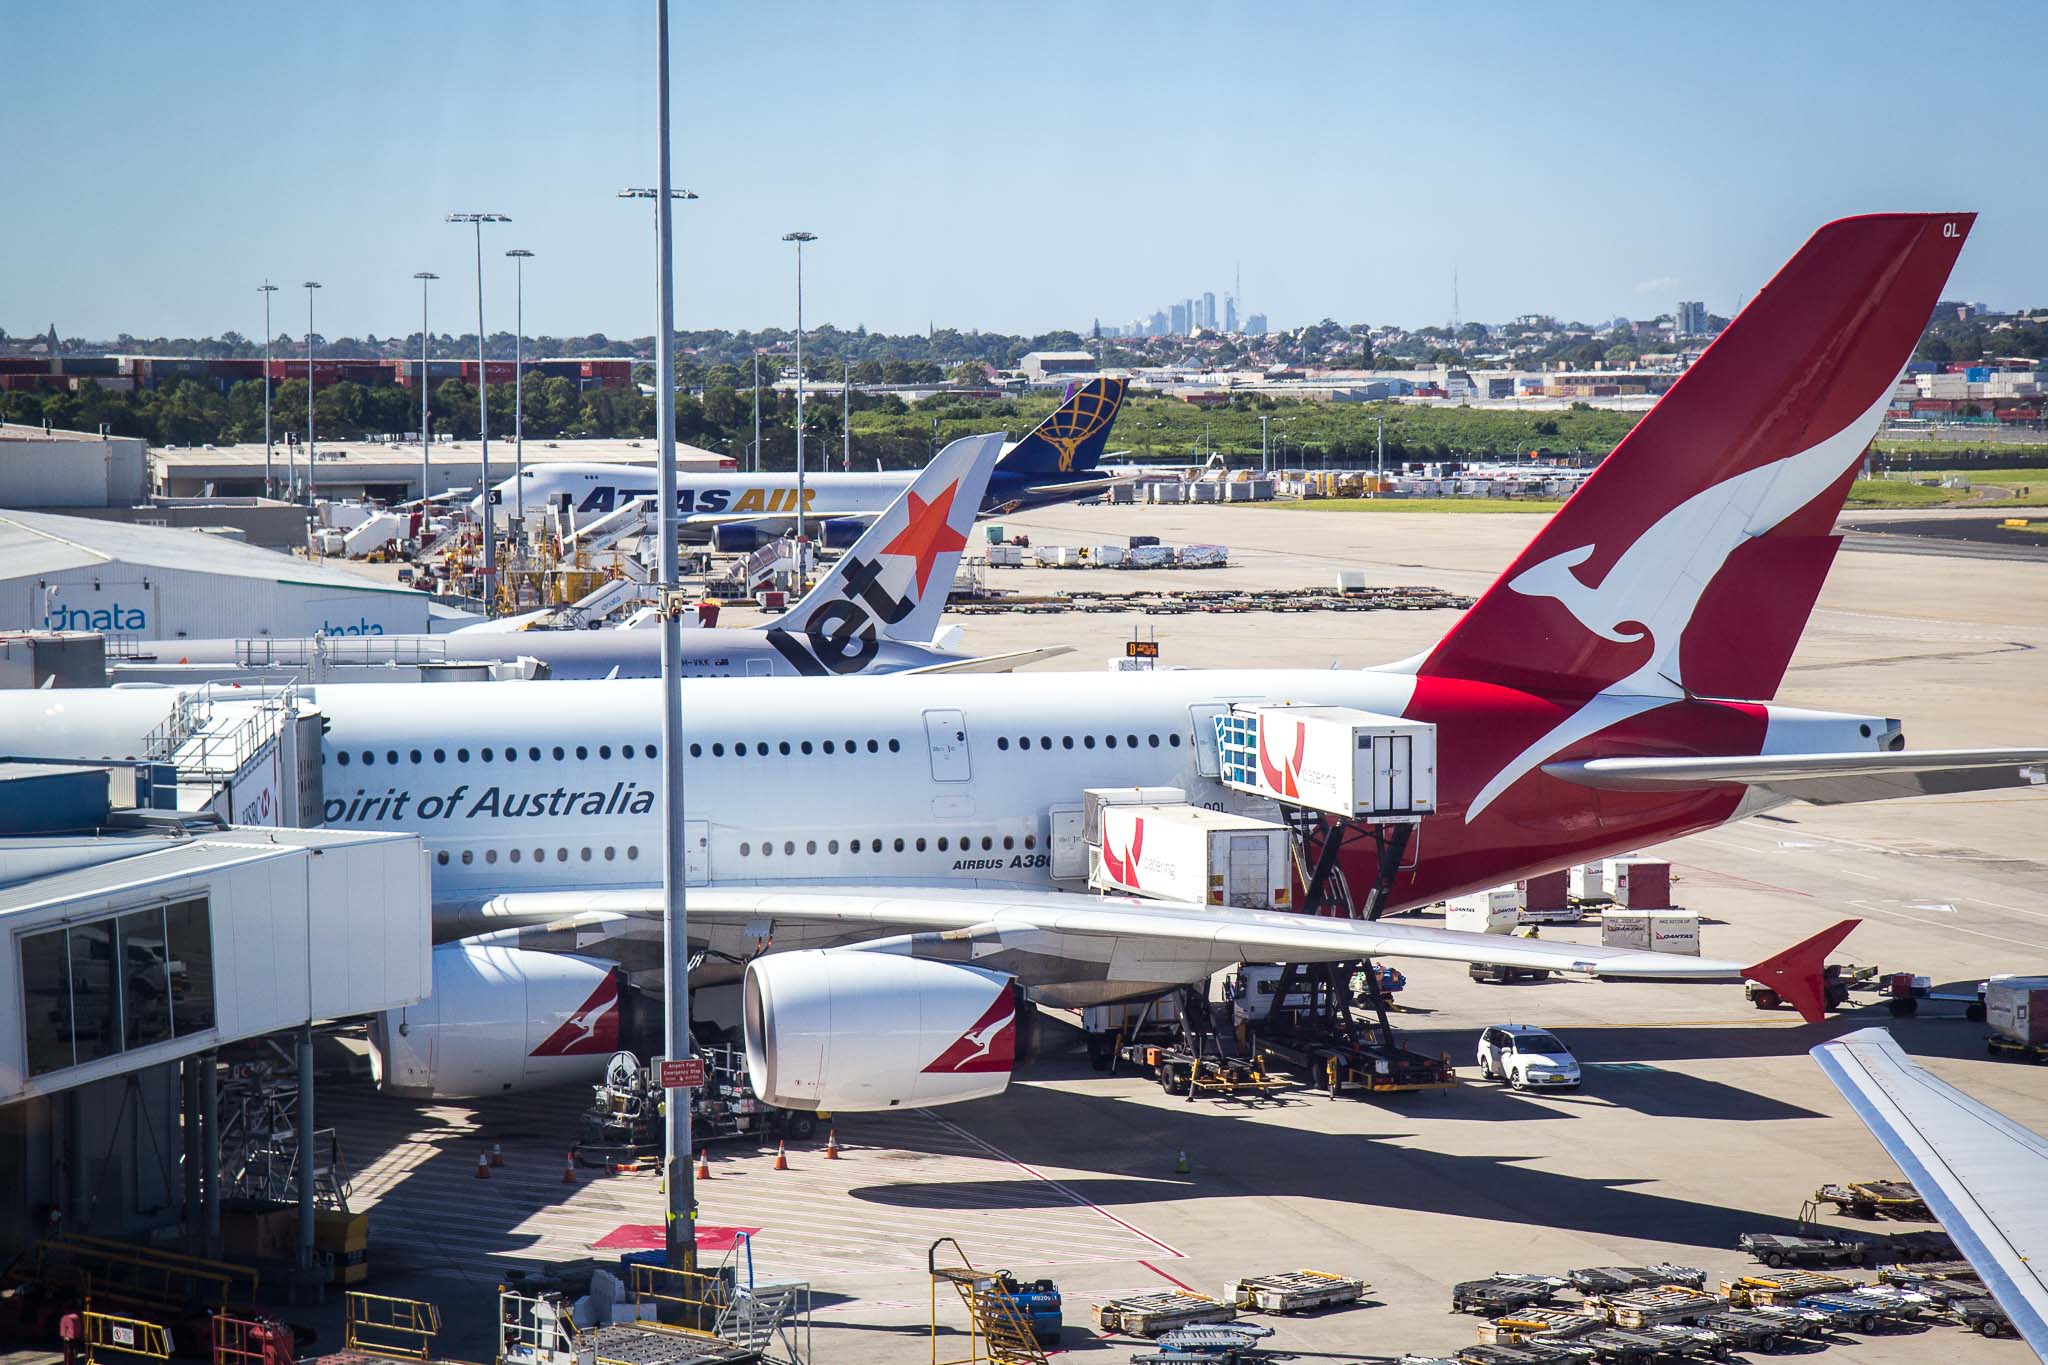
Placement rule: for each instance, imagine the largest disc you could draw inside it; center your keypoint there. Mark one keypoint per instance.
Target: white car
(1527, 1058)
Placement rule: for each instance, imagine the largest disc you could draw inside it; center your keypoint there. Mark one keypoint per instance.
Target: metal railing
(126, 1336)
(397, 1329)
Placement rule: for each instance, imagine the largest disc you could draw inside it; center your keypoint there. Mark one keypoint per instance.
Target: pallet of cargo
(1638, 1308)
(1876, 1199)
(1529, 1324)
(1295, 1291)
(1502, 1293)
(1781, 1289)
(1148, 1315)
(1917, 1272)
(1615, 1279)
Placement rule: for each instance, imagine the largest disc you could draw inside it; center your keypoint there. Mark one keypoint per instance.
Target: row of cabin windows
(1088, 741)
(609, 852)
(490, 754)
(963, 844)
(761, 748)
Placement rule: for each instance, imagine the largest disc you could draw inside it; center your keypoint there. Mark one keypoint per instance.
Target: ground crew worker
(71, 1330)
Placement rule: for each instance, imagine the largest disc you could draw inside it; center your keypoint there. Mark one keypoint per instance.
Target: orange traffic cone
(703, 1163)
(781, 1157)
(831, 1144)
(569, 1169)
(497, 1155)
(483, 1167)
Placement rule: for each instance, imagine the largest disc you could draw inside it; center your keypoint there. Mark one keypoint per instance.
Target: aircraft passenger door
(696, 852)
(946, 733)
(1202, 719)
(1248, 882)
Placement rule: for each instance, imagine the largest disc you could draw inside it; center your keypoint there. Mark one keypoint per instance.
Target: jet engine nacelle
(741, 537)
(838, 1029)
(502, 1019)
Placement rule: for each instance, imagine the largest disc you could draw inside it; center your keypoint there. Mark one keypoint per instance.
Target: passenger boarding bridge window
(110, 985)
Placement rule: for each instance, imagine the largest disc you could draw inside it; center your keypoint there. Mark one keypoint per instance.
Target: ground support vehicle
(1981, 1315)
(1038, 1301)
(1841, 980)
(1782, 1249)
(1500, 1294)
(1862, 1312)
(1206, 1056)
(1223, 1343)
(1536, 1324)
(1295, 1291)
(1616, 1279)
(1339, 1044)
(1640, 1308)
(1148, 1315)
(1496, 974)
(1781, 1289)
(1876, 1199)
(623, 1126)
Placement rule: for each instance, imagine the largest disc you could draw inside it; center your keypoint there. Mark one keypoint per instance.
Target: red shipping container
(1642, 883)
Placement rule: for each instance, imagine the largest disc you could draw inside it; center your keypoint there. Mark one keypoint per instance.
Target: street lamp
(483, 409)
(311, 474)
(800, 238)
(426, 491)
(266, 289)
(649, 192)
(520, 256)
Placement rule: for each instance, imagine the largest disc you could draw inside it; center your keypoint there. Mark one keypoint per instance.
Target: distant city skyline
(1513, 151)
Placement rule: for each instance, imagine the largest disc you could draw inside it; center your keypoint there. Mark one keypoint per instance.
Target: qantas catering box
(1588, 882)
(1483, 912)
(1655, 931)
(1640, 883)
(1352, 763)
(1186, 853)
(2016, 1009)
(1093, 799)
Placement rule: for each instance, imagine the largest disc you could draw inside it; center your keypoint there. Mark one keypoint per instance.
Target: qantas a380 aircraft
(888, 838)
(1057, 461)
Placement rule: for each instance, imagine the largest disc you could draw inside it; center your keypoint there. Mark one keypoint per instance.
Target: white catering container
(1588, 882)
(1483, 912)
(1108, 556)
(1655, 931)
(1347, 762)
(1006, 556)
(1187, 853)
(1093, 799)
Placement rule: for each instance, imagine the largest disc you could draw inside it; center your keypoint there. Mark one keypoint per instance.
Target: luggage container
(1660, 931)
(1546, 900)
(1640, 883)
(1350, 763)
(1483, 912)
(1203, 556)
(2016, 1016)
(1058, 557)
(1107, 556)
(1002, 556)
(1587, 882)
(1186, 853)
(1153, 556)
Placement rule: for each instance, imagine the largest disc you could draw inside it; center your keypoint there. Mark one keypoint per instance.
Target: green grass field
(1897, 493)
(2022, 488)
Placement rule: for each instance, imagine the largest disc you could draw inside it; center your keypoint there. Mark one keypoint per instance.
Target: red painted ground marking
(1163, 1275)
(651, 1237)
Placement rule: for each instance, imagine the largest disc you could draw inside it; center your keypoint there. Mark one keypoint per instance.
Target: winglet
(1798, 974)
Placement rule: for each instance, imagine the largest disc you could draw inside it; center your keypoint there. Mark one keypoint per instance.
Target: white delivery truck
(1186, 853)
(1653, 931)
(1352, 763)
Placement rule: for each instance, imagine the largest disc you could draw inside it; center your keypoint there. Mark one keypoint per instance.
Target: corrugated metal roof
(36, 543)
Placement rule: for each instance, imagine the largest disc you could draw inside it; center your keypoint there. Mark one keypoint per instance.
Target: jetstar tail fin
(1690, 560)
(1799, 974)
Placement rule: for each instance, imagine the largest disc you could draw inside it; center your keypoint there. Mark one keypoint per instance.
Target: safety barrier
(397, 1329)
(126, 1336)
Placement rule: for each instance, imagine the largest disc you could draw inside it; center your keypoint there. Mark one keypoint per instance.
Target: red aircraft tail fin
(1691, 558)
(1799, 974)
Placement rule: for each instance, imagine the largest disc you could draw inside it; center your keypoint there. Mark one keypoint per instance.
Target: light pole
(845, 416)
(1265, 446)
(520, 256)
(266, 289)
(678, 1178)
(757, 409)
(311, 285)
(483, 411)
(800, 238)
(426, 491)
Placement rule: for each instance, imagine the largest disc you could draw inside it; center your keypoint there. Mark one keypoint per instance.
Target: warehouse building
(156, 583)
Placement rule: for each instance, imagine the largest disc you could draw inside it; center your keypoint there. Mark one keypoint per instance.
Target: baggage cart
(1616, 1279)
(1876, 1199)
(1863, 1313)
(1529, 1324)
(1639, 1308)
(1782, 1249)
(1220, 1343)
(1148, 1315)
(1781, 1289)
(1528, 1353)
(1294, 1291)
(1747, 1331)
(1982, 1316)
(1499, 1293)
(1625, 1347)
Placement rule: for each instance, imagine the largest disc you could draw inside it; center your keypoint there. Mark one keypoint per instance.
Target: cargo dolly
(1781, 1288)
(1982, 1316)
(1221, 1343)
(1876, 1199)
(1528, 1353)
(1861, 1312)
(1777, 1250)
(1324, 1038)
(1501, 1293)
(1535, 1324)
(1743, 1331)
(1617, 1279)
(1641, 1308)
(1295, 1291)
(1149, 1315)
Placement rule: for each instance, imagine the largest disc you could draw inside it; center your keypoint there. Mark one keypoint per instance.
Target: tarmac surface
(1700, 1119)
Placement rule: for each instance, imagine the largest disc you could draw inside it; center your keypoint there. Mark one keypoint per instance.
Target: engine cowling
(841, 532)
(503, 1019)
(738, 538)
(832, 1030)
(743, 537)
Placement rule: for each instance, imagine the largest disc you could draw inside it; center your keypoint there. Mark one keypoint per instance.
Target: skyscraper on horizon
(1230, 313)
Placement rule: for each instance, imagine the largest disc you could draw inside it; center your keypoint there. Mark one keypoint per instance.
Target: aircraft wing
(994, 663)
(1067, 937)
(1082, 485)
(1980, 1172)
(1823, 779)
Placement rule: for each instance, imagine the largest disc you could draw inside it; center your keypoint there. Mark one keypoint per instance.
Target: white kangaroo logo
(1651, 592)
(984, 1039)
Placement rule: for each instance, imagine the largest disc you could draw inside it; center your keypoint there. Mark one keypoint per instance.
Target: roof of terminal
(33, 543)
(141, 861)
(343, 455)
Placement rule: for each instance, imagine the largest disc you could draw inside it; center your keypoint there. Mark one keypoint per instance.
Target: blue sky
(1014, 168)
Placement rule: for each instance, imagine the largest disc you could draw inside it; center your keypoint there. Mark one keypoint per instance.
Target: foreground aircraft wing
(1981, 1173)
(1101, 485)
(1823, 779)
(1063, 937)
(995, 663)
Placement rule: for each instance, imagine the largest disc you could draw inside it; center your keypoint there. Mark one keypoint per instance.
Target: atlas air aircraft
(875, 854)
(1057, 461)
(876, 611)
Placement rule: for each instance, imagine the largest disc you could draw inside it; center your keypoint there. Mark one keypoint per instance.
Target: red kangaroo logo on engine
(592, 1030)
(1286, 778)
(1125, 868)
(990, 1045)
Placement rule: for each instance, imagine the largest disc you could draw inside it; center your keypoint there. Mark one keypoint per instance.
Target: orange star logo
(928, 534)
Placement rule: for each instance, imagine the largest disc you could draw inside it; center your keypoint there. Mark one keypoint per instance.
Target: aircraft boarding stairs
(609, 598)
(999, 1330)
(631, 518)
(238, 762)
